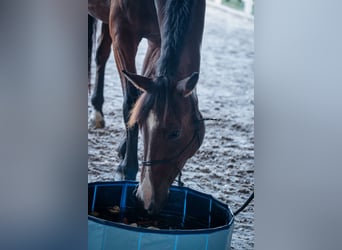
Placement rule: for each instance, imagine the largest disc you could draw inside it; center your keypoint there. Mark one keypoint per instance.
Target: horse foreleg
(152, 55)
(125, 46)
(102, 55)
(91, 31)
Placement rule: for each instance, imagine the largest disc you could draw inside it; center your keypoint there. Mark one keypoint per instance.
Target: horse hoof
(118, 176)
(97, 120)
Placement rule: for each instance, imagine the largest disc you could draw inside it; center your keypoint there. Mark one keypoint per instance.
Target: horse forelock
(158, 99)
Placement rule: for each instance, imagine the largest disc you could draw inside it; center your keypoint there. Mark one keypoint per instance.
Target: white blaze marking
(145, 189)
(151, 124)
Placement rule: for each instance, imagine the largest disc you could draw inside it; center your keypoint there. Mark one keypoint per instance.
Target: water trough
(190, 220)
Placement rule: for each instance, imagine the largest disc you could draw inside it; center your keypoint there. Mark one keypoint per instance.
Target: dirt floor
(224, 164)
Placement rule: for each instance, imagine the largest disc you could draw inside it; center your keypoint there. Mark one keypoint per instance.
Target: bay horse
(162, 102)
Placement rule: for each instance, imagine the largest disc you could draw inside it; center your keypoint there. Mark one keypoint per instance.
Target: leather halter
(171, 159)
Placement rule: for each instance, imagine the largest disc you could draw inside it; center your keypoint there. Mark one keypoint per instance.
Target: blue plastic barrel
(203, 221)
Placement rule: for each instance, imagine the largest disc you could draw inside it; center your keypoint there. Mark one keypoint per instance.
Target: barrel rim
(162, 231)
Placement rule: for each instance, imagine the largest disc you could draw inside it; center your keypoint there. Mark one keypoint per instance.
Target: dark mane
(177, 15)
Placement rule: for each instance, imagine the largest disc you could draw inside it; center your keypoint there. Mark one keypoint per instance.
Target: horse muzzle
(153, 194)
(152, 203)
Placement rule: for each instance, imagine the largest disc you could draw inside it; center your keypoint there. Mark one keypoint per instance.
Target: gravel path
(224, 165)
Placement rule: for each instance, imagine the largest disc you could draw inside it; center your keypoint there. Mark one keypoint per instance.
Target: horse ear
(187, 85)
(140, 82)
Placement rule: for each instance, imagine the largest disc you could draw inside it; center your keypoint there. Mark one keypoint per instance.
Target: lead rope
(251, 197)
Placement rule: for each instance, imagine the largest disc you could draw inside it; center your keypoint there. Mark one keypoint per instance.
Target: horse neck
(174, 24)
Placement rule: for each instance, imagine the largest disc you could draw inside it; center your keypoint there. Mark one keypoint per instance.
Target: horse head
(172, 129)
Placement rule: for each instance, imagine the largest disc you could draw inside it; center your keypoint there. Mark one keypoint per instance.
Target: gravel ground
(224, 165)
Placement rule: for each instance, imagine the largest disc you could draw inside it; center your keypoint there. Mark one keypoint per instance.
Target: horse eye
(174, 134)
